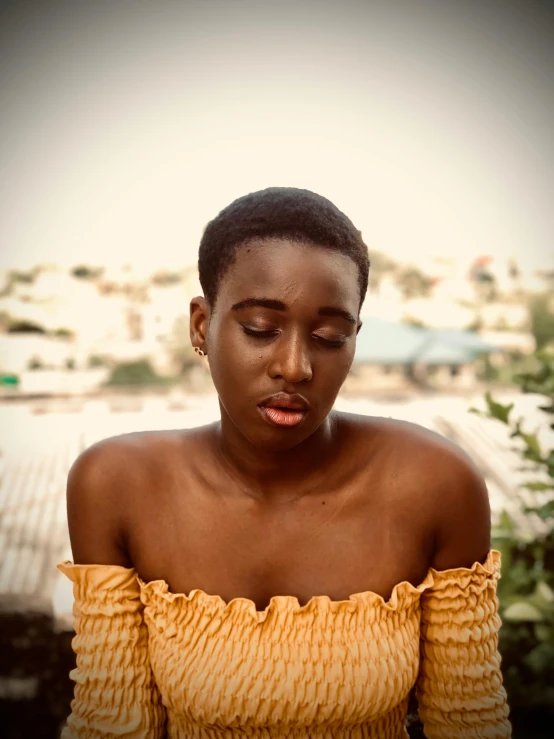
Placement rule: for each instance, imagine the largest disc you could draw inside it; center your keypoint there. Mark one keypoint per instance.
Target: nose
(291, 360)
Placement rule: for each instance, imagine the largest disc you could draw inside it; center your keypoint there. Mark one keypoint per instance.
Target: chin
(281, 439)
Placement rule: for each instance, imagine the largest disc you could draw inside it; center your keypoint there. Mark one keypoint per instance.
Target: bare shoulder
(453, 492)
(444, 481)
(103, 484)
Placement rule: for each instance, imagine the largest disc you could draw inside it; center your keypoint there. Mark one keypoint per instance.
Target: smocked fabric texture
(153, 664)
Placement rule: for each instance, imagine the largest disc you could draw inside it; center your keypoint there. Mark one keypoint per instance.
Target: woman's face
(285, 320)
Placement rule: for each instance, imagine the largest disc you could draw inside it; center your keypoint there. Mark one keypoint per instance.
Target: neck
(268, 475)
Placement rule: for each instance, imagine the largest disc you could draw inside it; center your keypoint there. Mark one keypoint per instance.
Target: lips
(282, 417)
(286, 402)
(283, 409)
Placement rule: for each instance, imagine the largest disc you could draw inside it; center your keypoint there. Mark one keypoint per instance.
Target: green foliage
(509, 371)
(21, 276)
(487, 371)
(526, 589)
(135, 373)
(85, 272)
(541, 309)
(413, 283)
(8, 380)
(15, 277)
(163, 278)
(25, 327)
(35, 363)
(94, 361)
(63, 333)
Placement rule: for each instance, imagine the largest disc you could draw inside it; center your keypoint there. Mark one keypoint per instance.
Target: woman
(288, 571)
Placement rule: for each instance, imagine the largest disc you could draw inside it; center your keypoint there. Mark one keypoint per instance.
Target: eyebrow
(327, 310)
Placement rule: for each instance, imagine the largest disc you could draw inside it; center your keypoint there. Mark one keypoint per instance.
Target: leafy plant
(25, 327)
(85, 272)
(139, 372)
(35, 363)
(526, 589)
(94, 361)
(413, 283)
(542, 318)
(163, 278)
(63, 333)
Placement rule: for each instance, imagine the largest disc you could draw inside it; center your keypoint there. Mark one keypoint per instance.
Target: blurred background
(126, 126)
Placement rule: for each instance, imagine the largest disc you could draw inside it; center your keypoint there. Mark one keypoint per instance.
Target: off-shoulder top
(153, 664)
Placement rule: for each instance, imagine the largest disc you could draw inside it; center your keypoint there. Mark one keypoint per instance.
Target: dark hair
(277, 212)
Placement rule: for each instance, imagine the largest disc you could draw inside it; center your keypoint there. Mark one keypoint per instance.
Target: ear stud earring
(199, 351)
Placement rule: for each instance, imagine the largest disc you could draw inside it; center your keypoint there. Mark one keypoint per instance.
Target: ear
(199, 321)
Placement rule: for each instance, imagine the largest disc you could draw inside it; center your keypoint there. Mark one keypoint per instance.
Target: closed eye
(260, 334)
(333, 343)
(266, 334)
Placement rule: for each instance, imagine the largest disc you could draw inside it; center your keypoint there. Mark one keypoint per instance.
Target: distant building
(392, 354)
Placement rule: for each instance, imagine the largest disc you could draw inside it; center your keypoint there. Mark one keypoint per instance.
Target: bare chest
(336, 542)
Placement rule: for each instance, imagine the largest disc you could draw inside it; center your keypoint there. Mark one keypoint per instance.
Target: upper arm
(463, 517)
(95, 505)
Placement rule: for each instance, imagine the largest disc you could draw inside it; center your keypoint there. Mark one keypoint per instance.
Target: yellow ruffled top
(154, 664)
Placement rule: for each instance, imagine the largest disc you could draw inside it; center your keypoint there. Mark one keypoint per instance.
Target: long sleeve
(459, 689)
(115, 692)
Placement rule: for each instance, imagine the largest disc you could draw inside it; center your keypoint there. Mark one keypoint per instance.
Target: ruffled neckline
(400, 594)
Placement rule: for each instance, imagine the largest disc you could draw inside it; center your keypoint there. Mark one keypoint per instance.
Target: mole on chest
(301, 553)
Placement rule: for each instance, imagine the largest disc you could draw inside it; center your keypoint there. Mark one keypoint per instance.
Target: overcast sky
(127, 125)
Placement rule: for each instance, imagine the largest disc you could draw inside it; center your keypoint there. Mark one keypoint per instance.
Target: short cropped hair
(277, 212)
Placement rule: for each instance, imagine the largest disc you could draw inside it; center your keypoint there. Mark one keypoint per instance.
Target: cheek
(339, 376)
(339, 364)
(235, 355)
(340, 373)
(231, 369)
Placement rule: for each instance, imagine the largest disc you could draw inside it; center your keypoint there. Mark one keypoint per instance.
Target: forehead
(277, 267)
